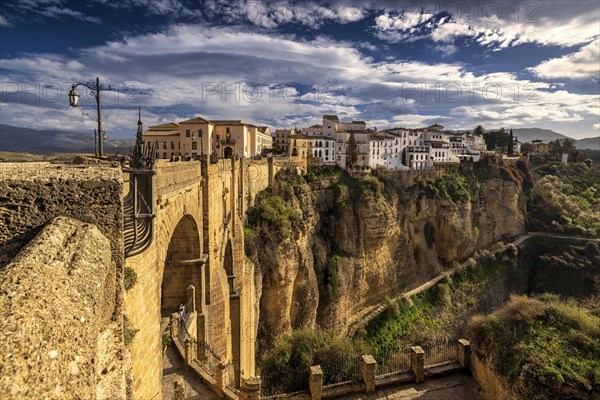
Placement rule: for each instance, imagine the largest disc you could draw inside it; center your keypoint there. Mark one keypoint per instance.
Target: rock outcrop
(356, 242)
(59, 337)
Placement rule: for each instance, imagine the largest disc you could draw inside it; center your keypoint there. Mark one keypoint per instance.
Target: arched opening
(228, 152)
(234, 312)
(295, 152)
(182, 269)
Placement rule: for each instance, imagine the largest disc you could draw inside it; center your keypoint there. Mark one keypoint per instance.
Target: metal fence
(277, 383)
(440, 354)
(341, 367)
(392, 362)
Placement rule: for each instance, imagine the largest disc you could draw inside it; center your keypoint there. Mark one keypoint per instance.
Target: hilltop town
(349, 145)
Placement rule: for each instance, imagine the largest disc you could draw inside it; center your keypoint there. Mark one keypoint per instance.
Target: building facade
(197, 136)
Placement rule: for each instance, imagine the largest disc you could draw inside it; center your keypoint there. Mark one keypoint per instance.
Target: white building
(392, 149)
(323, 148)
(417, 157)
(385, 151)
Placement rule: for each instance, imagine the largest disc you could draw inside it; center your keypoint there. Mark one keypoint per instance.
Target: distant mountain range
(547, 135)
(592, 143)
(52, 141)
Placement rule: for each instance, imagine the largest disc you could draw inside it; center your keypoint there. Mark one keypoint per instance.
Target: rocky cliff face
(351, 243)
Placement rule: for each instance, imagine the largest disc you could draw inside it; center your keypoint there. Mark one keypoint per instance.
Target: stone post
(271, 170)
(417, 363)
(179, 389)
(367, 372)
(190, 351)
(221, 379)
(315, 382)
(191, 299)
(174, 326)
(464, 353)
(250, 389)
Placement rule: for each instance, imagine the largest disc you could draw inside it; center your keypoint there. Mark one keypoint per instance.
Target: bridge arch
(179, 269)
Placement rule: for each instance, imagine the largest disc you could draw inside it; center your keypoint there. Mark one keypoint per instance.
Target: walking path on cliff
(376, 310)
(173, 369)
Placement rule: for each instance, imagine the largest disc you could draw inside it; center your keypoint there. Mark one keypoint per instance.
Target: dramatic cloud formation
(580, 65)
(241, 60)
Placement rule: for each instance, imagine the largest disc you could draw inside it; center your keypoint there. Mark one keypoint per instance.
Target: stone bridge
(198, 239)
(190, 224)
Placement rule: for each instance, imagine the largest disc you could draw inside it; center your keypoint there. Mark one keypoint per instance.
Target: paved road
(452, 387)
(174, 368)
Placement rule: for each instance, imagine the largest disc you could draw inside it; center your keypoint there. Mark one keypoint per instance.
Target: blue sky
(286, 63)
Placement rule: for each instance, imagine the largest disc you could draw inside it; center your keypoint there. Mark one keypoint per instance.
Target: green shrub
(129, 278)
(392, 309)
(166, 340)
(271, 210)
(293, 355)
(452, 187)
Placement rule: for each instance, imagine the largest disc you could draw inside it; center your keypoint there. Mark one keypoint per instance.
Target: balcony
(228, 141)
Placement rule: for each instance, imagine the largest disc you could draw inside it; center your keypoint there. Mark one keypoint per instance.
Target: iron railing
(440, 354)
(276, 383)
(340, 368)
(392, 362)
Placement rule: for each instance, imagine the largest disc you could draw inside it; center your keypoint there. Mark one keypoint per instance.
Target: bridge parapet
(172, 177)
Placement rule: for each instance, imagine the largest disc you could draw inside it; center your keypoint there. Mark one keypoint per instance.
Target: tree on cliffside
(479, 131)
(352, 151)
(511, 144)
(496, 139)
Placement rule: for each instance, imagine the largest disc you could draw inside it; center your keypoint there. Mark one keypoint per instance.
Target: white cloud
(446, 32)
(401, 27)
(5, 22)
(446, 50)
(582, 64)
(576, 24)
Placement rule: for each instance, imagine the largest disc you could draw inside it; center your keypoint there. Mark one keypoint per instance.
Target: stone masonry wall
(177, 198)
(31, 195)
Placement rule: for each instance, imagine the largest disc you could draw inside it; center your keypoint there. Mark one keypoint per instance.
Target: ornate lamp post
(74, 101)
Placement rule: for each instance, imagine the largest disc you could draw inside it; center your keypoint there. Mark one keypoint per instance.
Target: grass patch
(544, 347)
(417, 320)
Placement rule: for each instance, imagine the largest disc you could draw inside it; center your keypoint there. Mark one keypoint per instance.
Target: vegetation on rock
(544, 347)
(451, 187)
(271, 210)
(566, 199)
(429, 316)
(130, 277)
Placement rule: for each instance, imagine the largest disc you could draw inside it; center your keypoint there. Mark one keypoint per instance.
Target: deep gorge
(328, 246)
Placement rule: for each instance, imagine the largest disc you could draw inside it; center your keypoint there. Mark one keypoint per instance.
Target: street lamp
(74, 102)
